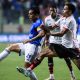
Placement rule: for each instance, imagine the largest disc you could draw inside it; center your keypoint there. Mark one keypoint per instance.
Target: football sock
(50, 64)
(33, 76)
(72, 74)
(35, 63)
(4, 54)
(52, 76)
(51, 69)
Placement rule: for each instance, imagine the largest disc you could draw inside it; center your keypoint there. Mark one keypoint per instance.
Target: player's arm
(41, 33)
(61, 33)
(46, 31)
(52, 27)
(56, 24)
(65, 28)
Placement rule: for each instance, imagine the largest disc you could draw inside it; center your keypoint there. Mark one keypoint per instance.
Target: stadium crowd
(19, 7)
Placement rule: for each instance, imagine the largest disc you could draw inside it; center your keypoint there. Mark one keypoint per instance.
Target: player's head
(68, 9)
(52, 10)
(33, 13)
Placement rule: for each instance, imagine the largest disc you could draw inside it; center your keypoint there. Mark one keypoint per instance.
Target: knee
(11, 47)
(27, 64)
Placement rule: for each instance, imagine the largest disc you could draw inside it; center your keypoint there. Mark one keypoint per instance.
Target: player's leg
(68, 62)
(51, 68)
(51, 65)
(48, 52)
(27, 72)
(13, 47)
(44, 53)
(37, 61)
(76, 62)
(30, 54)
(75, 57)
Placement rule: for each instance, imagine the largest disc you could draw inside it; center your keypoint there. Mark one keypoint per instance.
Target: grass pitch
(8, 68)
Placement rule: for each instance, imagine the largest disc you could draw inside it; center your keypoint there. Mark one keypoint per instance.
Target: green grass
(8, 68)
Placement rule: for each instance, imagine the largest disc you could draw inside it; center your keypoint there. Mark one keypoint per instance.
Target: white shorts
(31, 51)
(22, 48)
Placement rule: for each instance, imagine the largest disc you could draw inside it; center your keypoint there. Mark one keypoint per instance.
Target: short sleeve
(38, 25)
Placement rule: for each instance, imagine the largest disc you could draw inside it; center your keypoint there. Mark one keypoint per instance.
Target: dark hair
(71, 7)
(35, 10)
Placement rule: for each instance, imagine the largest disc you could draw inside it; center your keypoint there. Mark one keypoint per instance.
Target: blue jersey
(34, 31)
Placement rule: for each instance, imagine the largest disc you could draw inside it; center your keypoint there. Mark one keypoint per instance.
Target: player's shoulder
(48, 17)
(71, 19)
(39, 21)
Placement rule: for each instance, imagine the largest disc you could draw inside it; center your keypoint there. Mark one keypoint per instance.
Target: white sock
(52, 76)
(72, 74)
(32, 75)
(4, 54)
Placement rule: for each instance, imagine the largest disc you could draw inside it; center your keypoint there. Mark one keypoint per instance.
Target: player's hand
(26, 41)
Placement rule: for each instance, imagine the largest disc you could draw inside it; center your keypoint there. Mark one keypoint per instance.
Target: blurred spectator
(17, 7)
(35, 3)
(12, 9)
(27, 4)
(20, 13)
(6, 6)
(78, 30)
(21, 23)
(76, 11)
(78, 4)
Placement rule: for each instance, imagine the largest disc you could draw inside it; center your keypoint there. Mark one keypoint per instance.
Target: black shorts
(62, 51)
